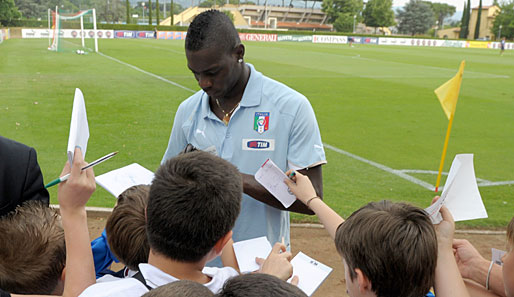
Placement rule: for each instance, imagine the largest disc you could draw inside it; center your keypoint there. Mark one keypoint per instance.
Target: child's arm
(474, 267)
(228, 256)
(448, 281)
(477, 290)
(302, 187)
(73, 195)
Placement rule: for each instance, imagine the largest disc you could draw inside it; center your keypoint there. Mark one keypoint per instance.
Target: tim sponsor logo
(258, 145)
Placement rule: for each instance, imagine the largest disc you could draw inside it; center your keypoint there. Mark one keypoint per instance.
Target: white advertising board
(329, 39)
(394, 41)
(65, 33)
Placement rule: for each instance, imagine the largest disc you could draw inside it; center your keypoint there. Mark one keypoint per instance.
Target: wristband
(488, 275)
(310, 199)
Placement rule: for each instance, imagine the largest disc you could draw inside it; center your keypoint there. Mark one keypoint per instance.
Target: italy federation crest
(261, 122)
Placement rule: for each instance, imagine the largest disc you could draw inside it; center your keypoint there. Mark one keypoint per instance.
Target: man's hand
(76, 191)
(278, 262)
(467, 257)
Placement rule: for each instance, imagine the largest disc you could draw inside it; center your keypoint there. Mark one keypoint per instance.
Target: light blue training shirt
(272, 121)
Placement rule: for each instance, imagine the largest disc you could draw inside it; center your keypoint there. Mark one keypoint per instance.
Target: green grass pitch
(376, 102)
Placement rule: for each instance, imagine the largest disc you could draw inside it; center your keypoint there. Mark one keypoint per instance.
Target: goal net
(73, 31)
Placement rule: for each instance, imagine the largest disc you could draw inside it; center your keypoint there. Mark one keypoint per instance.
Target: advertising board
(295, 38)
(65, 33)
(171, 35)
(258, 37)
(329, 39)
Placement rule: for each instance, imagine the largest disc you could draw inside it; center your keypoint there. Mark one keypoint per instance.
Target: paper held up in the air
(311, 273)
(79, 128)
(247, 250)
(272, 179)
(460, 194)
(118, 180)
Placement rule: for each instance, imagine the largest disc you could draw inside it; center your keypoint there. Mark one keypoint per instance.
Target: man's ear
(239, 51)
(363, 282)
(220, 244)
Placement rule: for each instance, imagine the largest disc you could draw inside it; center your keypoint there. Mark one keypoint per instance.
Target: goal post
(73, 31)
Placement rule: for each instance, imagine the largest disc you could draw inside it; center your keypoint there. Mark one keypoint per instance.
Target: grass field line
(475, 74)
(382, 167)
(403, 172)
(480, 181)
(147, 73)
(478, 74)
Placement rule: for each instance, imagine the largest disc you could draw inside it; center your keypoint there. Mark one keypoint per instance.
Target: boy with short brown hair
(126, 226)
(33, 253)
(389, 249)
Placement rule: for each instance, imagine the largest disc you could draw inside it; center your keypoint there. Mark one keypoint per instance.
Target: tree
(127, 4)
(463, 22)
(441, 11)
(31, 9)
(8, 12)
(505, 18)
(149, 12)
(212, 3)
(468, 16)
(157, 12)
(341, 13)
(112, 11)
(229, 14)
(415, 18)
(379, 13)
(479, 16)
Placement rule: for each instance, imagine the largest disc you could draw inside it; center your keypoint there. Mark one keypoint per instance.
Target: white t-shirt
(109, 278)
(154, 277)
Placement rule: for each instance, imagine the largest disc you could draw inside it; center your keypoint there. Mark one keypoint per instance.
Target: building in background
(486, 22)
(262, 17)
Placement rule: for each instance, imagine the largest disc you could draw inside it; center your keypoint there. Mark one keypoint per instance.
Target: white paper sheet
(310, 272)
(79, 128)
(496, 256)
(247, 250)
(118, 180)
(272, 179)
(460, 194)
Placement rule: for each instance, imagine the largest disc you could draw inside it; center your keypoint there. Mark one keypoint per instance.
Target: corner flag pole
(444, 153)
(448, 94)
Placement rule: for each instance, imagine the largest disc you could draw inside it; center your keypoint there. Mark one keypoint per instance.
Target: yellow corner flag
(448, 93)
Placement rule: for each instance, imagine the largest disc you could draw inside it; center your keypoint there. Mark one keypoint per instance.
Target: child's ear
(218, 247)
(63, 274)
(363, 282)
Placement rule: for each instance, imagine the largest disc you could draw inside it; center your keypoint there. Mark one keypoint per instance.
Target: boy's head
(181, 288)
(126, 227)
(389, 250)
(194, 201)
(508, 261)
(33, 253)
(259, 285)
